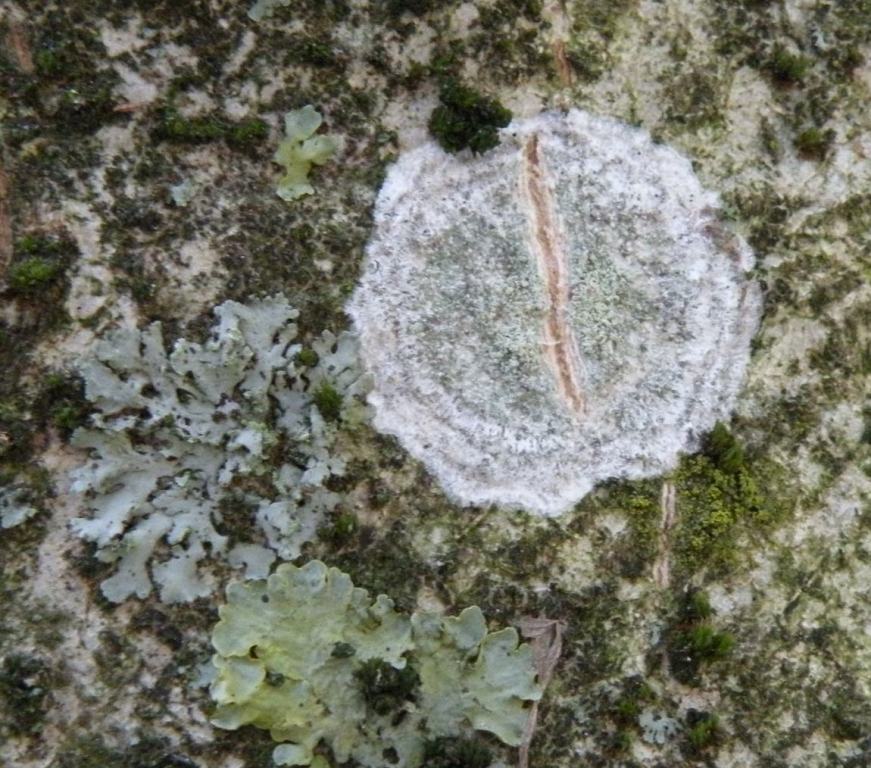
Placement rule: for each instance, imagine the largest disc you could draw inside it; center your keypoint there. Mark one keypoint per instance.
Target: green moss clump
(33, 274)
(307, 357)
(696, 607)
(314, 51)
(414, 7)
(148, 752)
(384, 687)
(706, 644)
(693, 642)
(246, 133)
(722, 494)
(458, 752)
(814, 143)
(61, 403)
(174, 128)
(721, 447)
(465, 119)
(39, 263)
(625, 710)
(36, 280)
(704, 730)
(712, 504)
(341, 530)
(328, 401)
(24, 683)
(788, 68)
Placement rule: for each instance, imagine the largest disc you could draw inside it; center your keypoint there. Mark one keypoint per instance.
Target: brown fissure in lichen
(16, 42)
(662, 565)
(563, 67)
(560, 349)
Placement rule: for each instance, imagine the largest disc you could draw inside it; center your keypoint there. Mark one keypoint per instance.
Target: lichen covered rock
(564, 309)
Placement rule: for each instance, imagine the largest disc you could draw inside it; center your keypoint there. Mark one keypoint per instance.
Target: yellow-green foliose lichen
(314, 660)
(300, 150)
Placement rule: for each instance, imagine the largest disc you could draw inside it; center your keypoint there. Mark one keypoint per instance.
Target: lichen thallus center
(548, 244)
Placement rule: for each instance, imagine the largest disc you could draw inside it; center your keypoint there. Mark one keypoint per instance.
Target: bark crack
(662, 565)
(560, 349)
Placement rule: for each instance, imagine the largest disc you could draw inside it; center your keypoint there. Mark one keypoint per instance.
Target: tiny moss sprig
(693, 641)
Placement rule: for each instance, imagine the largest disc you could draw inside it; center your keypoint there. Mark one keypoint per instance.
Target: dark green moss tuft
(316, 52)
(174, 128)
(307, 357)
(692, 641)
(721, 447)
(340, 530)
(397, 8)
(708, 644)
(31, 275)
(384, 687)
(814, 143)
(39, 263)
(458, 752)
(24, 686)
(788, 68)
(246, 134)
(624, 712)
(704, 728)
(696, 607)
(465, 119)
(694, 647)
(328, 401)
(89, 751)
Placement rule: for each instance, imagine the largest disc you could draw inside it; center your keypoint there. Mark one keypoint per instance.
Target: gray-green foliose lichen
(174, 434)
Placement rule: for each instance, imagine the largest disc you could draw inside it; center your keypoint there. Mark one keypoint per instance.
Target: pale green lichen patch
(300, 150)
(313, 659)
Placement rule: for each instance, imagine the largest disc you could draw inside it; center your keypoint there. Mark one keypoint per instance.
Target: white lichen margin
(564, 309)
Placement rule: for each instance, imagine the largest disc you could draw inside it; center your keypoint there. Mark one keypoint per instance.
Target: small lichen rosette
(563, 309)
(179, 437)
(289, 655)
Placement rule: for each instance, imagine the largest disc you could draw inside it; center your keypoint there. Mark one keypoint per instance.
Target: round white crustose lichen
(564, 309)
